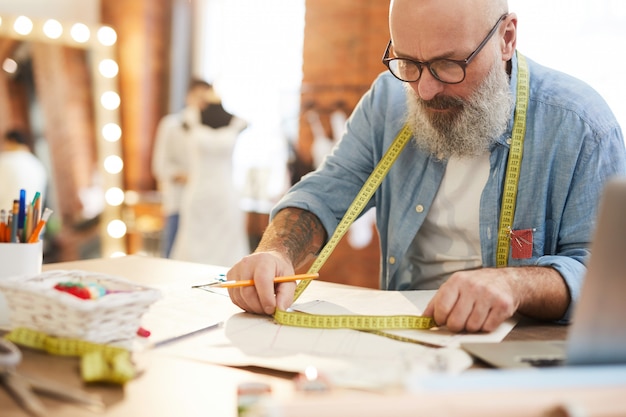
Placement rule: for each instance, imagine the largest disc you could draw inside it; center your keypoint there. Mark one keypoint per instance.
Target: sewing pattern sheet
(347, 358)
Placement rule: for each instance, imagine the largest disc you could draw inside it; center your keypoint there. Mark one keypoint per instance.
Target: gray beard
(471, 127)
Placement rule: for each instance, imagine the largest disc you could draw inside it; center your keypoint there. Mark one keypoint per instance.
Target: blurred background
(90, 80)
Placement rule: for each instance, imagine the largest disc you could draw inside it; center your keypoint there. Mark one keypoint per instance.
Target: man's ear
(509, 40)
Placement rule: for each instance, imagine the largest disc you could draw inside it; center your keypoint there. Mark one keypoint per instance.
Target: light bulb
(53, 29)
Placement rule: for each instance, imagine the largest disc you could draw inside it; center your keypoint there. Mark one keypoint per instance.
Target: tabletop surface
(167, 385)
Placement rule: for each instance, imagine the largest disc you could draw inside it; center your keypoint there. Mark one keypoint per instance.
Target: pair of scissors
(23, 387)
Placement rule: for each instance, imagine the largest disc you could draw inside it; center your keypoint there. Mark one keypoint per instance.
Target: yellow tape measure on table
(355, 322)
(99, 363)
(377, 323)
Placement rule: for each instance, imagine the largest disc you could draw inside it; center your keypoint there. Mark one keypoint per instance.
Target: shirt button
(419, 208)
(392, 260)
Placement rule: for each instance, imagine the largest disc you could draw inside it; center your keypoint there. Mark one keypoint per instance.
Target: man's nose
(427, 87)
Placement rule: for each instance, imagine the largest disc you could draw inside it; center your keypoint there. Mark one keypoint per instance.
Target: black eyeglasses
(449, 71)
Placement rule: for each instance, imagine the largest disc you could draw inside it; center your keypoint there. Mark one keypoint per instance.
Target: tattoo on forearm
(299, 232)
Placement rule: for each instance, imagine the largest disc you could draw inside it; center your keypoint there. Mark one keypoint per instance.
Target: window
(251, 51)
(582, 38)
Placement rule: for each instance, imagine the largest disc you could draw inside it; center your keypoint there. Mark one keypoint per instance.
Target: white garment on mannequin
(170, 155)
(212, 226)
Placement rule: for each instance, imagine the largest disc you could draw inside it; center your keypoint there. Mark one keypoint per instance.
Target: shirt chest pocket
(529, 243)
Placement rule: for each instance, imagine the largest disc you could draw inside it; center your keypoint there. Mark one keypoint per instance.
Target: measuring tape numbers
(355, 322)
(514, 164)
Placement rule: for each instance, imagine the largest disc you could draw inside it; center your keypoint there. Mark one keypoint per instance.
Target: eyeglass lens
(445, 70)
(442, 69)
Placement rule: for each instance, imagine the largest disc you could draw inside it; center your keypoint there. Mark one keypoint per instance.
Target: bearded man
(457, 82)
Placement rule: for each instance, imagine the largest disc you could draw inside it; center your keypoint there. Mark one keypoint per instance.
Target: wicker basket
(113, 318)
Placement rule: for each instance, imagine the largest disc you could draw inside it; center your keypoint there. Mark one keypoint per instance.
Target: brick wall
(343, 44)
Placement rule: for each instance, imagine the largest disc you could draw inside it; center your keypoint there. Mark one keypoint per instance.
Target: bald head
(424, 29)
(487, 9)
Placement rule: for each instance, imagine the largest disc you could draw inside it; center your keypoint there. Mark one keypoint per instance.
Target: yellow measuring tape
(377, 323)
(357, 206)
(356, 322)
(99, 363)
(514, 165)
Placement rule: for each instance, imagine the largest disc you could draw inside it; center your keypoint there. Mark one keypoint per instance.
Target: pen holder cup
(18, 259)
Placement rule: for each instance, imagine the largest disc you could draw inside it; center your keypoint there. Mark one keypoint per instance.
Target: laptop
(597, 334)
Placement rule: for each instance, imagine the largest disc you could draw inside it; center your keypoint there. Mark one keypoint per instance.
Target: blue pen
(22, 212)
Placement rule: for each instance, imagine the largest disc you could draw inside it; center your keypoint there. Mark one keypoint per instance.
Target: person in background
(452, 79)
(212, 224)
(19, 169)
(170, 158)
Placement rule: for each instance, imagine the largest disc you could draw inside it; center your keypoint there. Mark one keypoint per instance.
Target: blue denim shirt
(573, 144)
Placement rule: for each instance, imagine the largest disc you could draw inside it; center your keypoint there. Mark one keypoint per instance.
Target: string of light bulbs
(100, 41)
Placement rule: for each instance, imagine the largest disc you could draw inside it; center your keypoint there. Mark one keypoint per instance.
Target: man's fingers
(442, 304)
(262, 268)
(265, 291)
(495, 318)
(477, 317)
(284, 295)
(472, 301)
(247, 299)
(429, 311)
(456, 319)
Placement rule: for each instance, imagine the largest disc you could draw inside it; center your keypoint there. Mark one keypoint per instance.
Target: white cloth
(338, 119)
(170, 156)
(212, 226)
(322, 144)
(260, 166)
(20, 170)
